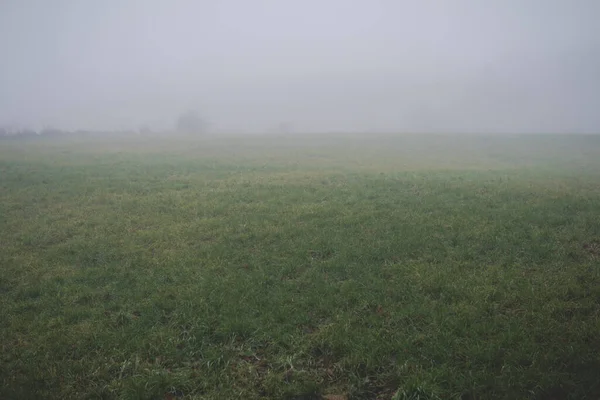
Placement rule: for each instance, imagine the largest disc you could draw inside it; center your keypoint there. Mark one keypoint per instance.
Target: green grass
(408, 267)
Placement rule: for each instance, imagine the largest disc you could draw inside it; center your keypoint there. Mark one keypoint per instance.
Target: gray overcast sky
(351, 65)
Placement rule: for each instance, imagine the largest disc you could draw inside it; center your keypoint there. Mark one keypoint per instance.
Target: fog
(314, 66)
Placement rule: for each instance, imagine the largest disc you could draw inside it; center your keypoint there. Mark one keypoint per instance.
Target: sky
(313, 65)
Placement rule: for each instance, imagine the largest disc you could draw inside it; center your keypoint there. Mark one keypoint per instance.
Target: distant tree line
(188, 123)
(28, 132)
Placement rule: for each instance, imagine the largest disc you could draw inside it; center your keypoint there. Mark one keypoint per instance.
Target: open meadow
(300, 267)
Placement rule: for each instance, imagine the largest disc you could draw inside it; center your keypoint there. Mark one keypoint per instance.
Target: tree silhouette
(191, 122)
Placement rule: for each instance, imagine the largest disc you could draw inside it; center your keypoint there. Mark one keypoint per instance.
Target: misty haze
(327, 200)
(393, 66)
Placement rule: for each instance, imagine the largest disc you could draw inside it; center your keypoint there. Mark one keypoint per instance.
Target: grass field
(363, 267)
